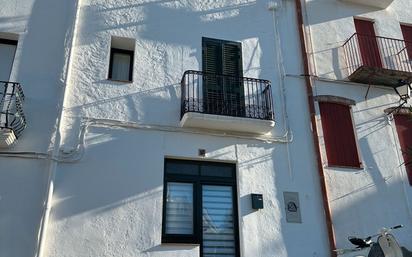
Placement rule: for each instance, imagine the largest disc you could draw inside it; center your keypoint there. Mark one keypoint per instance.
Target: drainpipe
(56, 144)
(311, 103)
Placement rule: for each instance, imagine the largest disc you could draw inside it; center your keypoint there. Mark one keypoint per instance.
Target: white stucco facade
(127, 218)
(102, 144)
(378, 194)
(43, 30)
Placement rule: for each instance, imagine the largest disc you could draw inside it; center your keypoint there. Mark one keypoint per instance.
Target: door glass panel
(218, 221)
(6, 60)
(182, 168)
(179, 208)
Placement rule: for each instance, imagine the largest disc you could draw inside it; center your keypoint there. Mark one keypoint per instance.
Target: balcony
(12, 120)
(378, 60)
(381, 4)
(222, 102)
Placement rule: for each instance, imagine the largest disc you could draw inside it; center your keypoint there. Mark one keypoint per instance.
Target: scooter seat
(406, 252)
(360, 242)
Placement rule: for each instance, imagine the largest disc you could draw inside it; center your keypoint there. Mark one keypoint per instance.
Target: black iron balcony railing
(11, 108)
(226, 95)
(380, 53)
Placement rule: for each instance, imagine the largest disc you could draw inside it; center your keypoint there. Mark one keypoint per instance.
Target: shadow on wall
(116, 171)
(364, 211)
(103, 180)
(13, 24)
(331, 10)
(147, 105)
(324, 11)
(167, 22)
(41, 58)
(376, 191)
(336, 56)
(40, 66)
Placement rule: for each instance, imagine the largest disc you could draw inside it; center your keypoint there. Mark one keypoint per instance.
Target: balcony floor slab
(226, 123)
(379, 76)
(381, 4)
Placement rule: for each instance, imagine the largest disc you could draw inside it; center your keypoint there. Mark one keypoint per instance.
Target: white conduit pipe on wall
(274, 7)
(76, 153)
(57, 137)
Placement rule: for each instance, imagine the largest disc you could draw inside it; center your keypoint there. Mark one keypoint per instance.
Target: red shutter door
(407, 36)
(404, 129)
(367, 43)
(339, 135)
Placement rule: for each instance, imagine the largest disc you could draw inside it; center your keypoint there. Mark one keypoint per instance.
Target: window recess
(121, 59)
(200, 206)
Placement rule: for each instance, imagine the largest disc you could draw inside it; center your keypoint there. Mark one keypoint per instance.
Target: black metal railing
(226, 95)
(11, 108)
(379, 52)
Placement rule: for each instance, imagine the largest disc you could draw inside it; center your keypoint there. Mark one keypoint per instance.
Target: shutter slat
(179, 208)
(218, 223)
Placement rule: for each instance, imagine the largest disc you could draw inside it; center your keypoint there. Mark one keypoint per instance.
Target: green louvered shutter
(223, 95)
(212, 86)
(233, 85)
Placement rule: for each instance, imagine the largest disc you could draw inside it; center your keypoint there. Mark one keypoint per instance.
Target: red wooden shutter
(404, 129)
(367, 43)
(407, 36)
(339, 135)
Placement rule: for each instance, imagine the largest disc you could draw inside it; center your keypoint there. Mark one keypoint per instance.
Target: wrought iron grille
(379, 52)
(11, 108)
(226, 95)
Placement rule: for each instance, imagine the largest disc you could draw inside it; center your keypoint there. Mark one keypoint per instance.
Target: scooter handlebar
(397, 226)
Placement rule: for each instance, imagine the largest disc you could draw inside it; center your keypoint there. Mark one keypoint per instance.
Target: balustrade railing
(378, 52)
(226, 95)
(11, 107)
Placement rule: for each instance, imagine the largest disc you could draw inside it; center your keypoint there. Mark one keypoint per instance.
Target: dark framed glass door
(200, 206)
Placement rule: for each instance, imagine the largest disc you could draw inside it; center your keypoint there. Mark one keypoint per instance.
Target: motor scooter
(385, 246)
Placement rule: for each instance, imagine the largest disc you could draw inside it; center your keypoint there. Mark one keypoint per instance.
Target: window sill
(361, 167)
(121, 81)
(180, 244)
(188, 240)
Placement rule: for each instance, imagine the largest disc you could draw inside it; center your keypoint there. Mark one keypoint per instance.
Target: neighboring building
(165, 135)
(35, 38)
(359, 51)
(183, 128)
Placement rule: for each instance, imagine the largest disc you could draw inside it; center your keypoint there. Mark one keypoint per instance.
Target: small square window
(121, 59)
(7, 52)
(121, 65)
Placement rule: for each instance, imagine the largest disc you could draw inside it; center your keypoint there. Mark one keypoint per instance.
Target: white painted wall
(378, 195)
(42, 28)
(110, 202)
